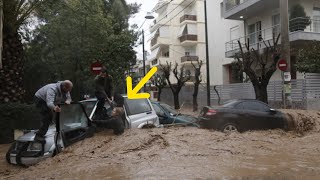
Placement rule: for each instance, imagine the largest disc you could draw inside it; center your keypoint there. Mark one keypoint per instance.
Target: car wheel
(229, 128)
(148, 126)
(9, 151)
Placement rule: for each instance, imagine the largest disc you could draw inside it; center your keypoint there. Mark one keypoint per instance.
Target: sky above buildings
(146, 6)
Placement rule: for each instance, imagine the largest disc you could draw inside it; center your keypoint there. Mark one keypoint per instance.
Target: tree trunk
(176, 100)
(261, 92)
(159, 94)
(195, 97)
(11, 83)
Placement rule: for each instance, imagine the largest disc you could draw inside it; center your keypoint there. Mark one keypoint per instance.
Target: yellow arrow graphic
(133, 94)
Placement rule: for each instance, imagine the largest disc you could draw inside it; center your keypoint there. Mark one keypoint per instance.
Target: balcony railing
(189, 58)
(154, 40)
(154, 62)
(188, 37)
(297, 24)
(188, 18)
(230, 4)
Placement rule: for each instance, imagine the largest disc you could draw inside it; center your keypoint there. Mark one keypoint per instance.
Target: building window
(221, 10)
(316, 19)
(166, 54)
(276, 24)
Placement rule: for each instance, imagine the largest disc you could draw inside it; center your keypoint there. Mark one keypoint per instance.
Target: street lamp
(207, 54)
(148, 16)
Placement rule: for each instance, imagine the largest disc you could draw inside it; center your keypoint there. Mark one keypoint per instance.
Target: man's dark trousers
(46, 116)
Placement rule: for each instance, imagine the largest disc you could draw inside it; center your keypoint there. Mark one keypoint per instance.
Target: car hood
(183, 118)
(30, 136)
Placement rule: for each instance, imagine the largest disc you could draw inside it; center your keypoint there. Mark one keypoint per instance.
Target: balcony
(160, 61)
(188, 40)
(188, 18)
(154, 40)
(189, 58)
(244, 9)
(301, 29)
(158, 41)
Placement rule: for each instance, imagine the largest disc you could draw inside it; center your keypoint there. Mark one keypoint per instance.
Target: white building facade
(178, 35)
(261, 19)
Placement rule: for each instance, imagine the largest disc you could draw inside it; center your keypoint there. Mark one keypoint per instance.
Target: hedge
(17, 116)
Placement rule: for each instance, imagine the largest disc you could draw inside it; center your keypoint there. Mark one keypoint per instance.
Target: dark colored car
(168, 115)
(242, 115)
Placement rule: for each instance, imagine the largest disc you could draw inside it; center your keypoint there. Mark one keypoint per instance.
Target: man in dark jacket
(104, 90)
(47, 99)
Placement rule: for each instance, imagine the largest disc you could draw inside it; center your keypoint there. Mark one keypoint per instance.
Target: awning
(154, 54)
(181, 30)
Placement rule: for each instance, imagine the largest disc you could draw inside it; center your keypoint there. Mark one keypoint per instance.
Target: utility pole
(285, 52)
(207, 54)
(144, 61)
(1, 31)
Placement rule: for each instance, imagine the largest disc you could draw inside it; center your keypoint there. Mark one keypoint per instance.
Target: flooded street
(186, 153)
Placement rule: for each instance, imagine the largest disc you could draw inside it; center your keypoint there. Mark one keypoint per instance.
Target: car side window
(254, 106)
(158, 110)
(239, 106)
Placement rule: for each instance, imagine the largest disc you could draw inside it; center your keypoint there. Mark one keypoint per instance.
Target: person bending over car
(47, 99)
(115, 122)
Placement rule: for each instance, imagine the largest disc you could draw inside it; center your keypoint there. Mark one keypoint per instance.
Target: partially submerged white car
(74, 123)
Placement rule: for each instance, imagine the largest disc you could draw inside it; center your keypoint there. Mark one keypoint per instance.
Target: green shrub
(19, 116)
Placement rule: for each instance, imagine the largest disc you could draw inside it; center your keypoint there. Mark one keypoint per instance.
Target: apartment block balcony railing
(189, 58)
(298, 25)
(230, 4)
(188, 18)
(154, 62)
(188, 37)
(154, 41)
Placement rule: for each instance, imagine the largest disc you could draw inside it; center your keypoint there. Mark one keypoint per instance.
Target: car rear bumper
(207, 123)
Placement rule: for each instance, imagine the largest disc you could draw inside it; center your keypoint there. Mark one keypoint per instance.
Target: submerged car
(72, 125)
(138, 113)
(242, 115)
(168, 115)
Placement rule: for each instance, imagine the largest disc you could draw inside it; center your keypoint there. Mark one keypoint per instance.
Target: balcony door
(254, 32)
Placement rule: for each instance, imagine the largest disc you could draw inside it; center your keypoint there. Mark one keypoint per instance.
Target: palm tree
(15, 13)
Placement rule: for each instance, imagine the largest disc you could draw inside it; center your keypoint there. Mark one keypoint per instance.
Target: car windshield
(72, 117)
(170, 109)
(137, 106)
(229, 103)
(88, 106)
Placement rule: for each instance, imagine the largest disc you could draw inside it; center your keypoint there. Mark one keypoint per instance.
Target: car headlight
(35, 146)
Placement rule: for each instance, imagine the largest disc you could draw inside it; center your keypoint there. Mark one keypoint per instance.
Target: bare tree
(160, 82)
(263, 59)
(197, 81)
(182, 77)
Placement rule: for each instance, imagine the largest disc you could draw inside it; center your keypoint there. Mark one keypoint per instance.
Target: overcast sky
(138, 19)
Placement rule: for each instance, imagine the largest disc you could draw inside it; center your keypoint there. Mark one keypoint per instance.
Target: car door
(140, 113)
(242, 116)
(257, 114)
(72, 125)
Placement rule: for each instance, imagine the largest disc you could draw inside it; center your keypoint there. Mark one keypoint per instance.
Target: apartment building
(260, 19)
(178, 35)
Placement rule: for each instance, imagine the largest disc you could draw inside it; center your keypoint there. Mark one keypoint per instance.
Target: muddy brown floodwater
(187, 153)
